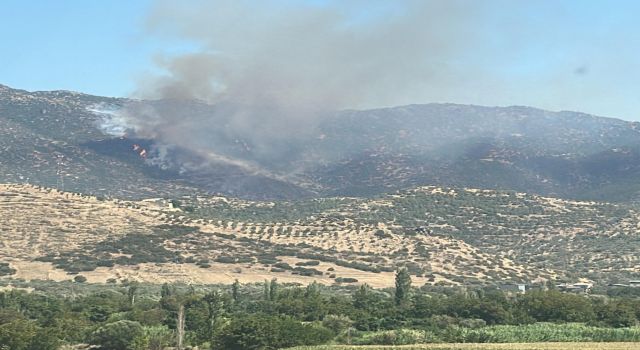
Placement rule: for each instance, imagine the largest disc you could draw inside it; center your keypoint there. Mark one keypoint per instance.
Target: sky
(581, 55)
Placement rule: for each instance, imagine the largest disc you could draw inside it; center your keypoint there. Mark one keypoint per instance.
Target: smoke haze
(274, 69)
(310, 57)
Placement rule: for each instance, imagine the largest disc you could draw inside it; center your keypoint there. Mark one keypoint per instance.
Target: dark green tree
(269, 332)
(273, 289)
(166, 291)
(131, 292)
(17, 334)
(403, 286)
(216, 308)
(118, 335)
(235, 291)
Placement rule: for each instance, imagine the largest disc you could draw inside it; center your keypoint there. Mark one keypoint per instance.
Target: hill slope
(54, 139)
(442, 235)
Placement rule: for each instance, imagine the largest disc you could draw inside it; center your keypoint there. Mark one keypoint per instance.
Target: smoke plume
(268, 72)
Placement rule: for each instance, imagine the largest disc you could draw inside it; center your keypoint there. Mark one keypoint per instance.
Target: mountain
(442, 235)
(566, 154)
(354, 196)
(57, 139)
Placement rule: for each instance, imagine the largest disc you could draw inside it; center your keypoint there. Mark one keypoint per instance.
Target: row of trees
(272, 315)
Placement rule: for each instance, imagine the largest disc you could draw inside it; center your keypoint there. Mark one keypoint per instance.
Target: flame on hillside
(141, 151)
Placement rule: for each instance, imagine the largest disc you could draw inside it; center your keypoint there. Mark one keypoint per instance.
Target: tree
(267, 290)
(215, 310)
(45, 339)
(273, 289)
(555, 306)
(235, 290)
(166, 291)
(337, 323)
(180, 326)
(17, 334)
(312, 290)
(403, 286)
(131, 292)
(363, 298)
(119, 335)
(616, 314)
(176, 306)
(153, 338)
(269, 332)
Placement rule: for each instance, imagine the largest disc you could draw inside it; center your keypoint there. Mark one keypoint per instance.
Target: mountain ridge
(355, 153)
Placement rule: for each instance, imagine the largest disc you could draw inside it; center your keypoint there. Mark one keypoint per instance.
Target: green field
(510, 346)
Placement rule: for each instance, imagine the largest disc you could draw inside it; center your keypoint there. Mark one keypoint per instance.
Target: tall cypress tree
(403, 286)
(235, 290)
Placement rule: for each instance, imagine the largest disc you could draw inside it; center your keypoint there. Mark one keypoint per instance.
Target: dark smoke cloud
(274, 69)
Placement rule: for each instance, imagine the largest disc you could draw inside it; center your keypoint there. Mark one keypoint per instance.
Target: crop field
(510, 346)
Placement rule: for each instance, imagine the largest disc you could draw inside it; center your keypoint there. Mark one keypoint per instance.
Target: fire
(141, 151)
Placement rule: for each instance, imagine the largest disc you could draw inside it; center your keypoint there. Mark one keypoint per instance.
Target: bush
(302, 271)
(283, 265)
(225, 260)
(6, 270)
(80, 279)
(346, 280)
(398, 337)
(540, 332)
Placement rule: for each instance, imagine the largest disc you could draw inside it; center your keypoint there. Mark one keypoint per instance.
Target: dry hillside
(442, 235)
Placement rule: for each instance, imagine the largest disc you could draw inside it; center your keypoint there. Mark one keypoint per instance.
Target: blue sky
(561, 55)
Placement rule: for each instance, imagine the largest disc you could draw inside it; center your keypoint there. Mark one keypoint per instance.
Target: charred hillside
(58, 139)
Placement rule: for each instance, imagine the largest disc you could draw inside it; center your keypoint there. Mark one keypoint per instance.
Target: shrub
(346, 280)
(398, 337)
(80, 279)
(6, 270)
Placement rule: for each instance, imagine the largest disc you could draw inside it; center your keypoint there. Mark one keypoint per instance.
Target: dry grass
(37, 221)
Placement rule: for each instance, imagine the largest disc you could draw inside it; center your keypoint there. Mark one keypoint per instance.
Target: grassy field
(509, 346)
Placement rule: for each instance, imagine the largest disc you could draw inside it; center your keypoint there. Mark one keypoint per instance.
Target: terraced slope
(515, 235)
(442, 235)
(105, 239)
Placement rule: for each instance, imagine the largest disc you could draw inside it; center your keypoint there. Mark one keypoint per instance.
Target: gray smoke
(272, 70)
